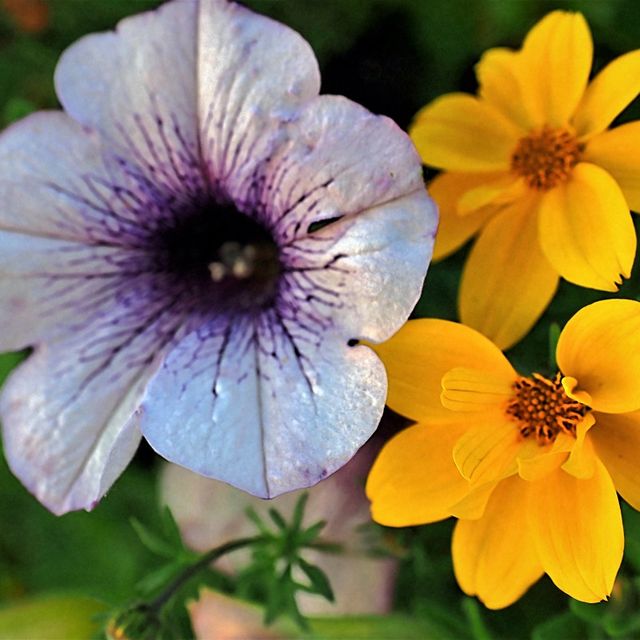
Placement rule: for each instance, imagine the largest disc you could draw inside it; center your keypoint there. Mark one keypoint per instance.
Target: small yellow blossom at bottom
(529, 465)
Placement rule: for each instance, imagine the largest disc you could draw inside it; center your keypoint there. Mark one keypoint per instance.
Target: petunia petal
(414, 479)
(459, 132)
(600, 348)
(616, 438)
(586, 230)
(347, 228)
(70, 413)
(608, 94)
(555, 62)
(494, 557)
(577, 529)
(129, 99)
(507, 282)
(499, 78)
(268, 404)
(419, 355)
(454, 230)
(74, 288)
(253, 75)
(618, 151)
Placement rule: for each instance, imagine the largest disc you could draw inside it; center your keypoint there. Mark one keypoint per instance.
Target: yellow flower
(531, 165)
(529, 465)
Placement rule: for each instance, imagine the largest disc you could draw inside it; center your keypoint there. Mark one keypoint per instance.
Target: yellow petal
(414, 480)
(570, 386)
(618, 151)
(582, 459)
(421, 353)
(473, 505)
(458, 132)
(556, 61)
(465, 389)
(577, 528)
(507, 282)
(540, 466)
(494, 557)
(503, 190)
(608, 94)
(586, 230)
(454, 230)
(488, 452)
(600, 348)
(536, 462)
(616, 438)
(498, 76)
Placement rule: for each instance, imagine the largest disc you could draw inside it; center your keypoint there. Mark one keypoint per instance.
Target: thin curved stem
(204, 561)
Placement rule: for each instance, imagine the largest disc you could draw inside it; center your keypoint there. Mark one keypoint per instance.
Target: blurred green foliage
(393, 56)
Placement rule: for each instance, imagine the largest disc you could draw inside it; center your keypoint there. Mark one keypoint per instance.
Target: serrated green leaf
(298, 512)
(274, 605)
(318, 578)
(278, 520)
(158, 578)
(171, 530)
(309, 535)
(251, 513)
(152, 541)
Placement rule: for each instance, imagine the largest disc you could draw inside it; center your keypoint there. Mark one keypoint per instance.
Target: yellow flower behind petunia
(529, 464)
(529, 163)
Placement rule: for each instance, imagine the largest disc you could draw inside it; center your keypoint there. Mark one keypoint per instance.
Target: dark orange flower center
(543, 409)
(546, 158)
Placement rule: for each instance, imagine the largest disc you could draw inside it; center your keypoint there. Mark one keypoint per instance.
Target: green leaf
(477, 625)
(257, 521)
(564, 626)
(152, 541)
(277, 518)
(622, 625)
(554, 335)
(590, 613)
(318, 578)
(17, 108)
(158, 578)
(8, 362)
(391, 627)
(310, 534)
(171, 530)
(298, 512)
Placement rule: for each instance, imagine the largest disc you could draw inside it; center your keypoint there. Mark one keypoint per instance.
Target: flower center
(542, 408)
(546, 158)
(227, 257)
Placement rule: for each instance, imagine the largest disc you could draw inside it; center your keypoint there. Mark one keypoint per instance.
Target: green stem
(204, 561)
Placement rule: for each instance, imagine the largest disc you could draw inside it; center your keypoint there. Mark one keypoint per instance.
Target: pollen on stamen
(542, 408)
(546, 158)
